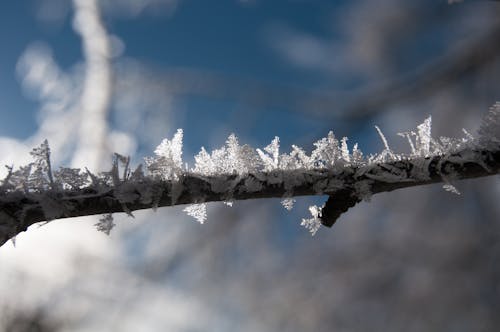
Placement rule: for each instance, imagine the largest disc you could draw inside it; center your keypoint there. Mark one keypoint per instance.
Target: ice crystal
(327, 152)
(71, 178)
(168, 161)
(386, 154)
(105, 224)
(41, 174)
(197, 211)
(451, 188)
(344, 150)
(312, 224)
(270, 159)
(19, 180)
(423, 147)
(489, 132)
(357, 155)
(230, 159)
(421, 143)
(233, 164)
(288, 203)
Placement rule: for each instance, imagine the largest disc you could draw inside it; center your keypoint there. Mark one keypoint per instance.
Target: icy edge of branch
(34, 193)
(18, 210)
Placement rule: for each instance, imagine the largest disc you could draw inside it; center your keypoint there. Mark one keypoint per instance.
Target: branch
(345, 186)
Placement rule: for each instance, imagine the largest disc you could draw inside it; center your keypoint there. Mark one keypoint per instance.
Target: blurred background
(97, 76)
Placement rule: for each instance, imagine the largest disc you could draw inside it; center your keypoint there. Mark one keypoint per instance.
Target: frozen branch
(33, 193)
(18, 209)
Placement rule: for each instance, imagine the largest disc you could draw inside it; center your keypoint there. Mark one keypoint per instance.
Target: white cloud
(57, 91)
(302, 49)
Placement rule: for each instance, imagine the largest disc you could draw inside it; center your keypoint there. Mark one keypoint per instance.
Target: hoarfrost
(197, 211)
(312, 224)
(168, 161)
(288, 203)
(386, 154)
(451, 188)
(344, 150)
(489, 132)
(270, 159)
(327, 152)
(105, 224)
(70, 178)
(228, 166)
(230, 159)
(41, 174)
(423, 147)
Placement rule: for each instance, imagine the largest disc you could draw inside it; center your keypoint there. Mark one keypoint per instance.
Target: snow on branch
(35, 192)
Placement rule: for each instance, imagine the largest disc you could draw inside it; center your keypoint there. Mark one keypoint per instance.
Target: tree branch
(345, 186)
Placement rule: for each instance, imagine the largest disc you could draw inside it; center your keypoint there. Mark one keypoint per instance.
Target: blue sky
(226, 37)
(282, 44)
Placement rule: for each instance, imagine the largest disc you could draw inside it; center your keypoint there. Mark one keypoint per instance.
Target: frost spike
(424, 137)
(382, 137)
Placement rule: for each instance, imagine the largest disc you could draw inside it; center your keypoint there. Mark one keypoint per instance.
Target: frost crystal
(312, 224)
(230, 159)
(327, 152)
(70, 178)
(41, 173)
(168, 161)
(288, 203)
(423, 147)
(105, 224)
(387, 153)
(249, 170)
(489, 132)
(197, 211)
(345, 150)
(451, 188)
(270, 160)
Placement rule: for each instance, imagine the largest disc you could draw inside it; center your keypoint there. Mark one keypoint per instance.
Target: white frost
(312, 224)
(197, 211)
(288, 203)
(451, 188)
(271, 160)
(105, 224)
(226, 167)
(168, 161)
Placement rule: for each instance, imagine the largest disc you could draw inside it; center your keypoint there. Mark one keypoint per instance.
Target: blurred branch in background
(457, 65)
(460, 63)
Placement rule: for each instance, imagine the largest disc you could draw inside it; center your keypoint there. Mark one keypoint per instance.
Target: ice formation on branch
(236, 169)
(197, 211)
(313, 224)
(288, 203)
(105, 224)
(168, 161)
